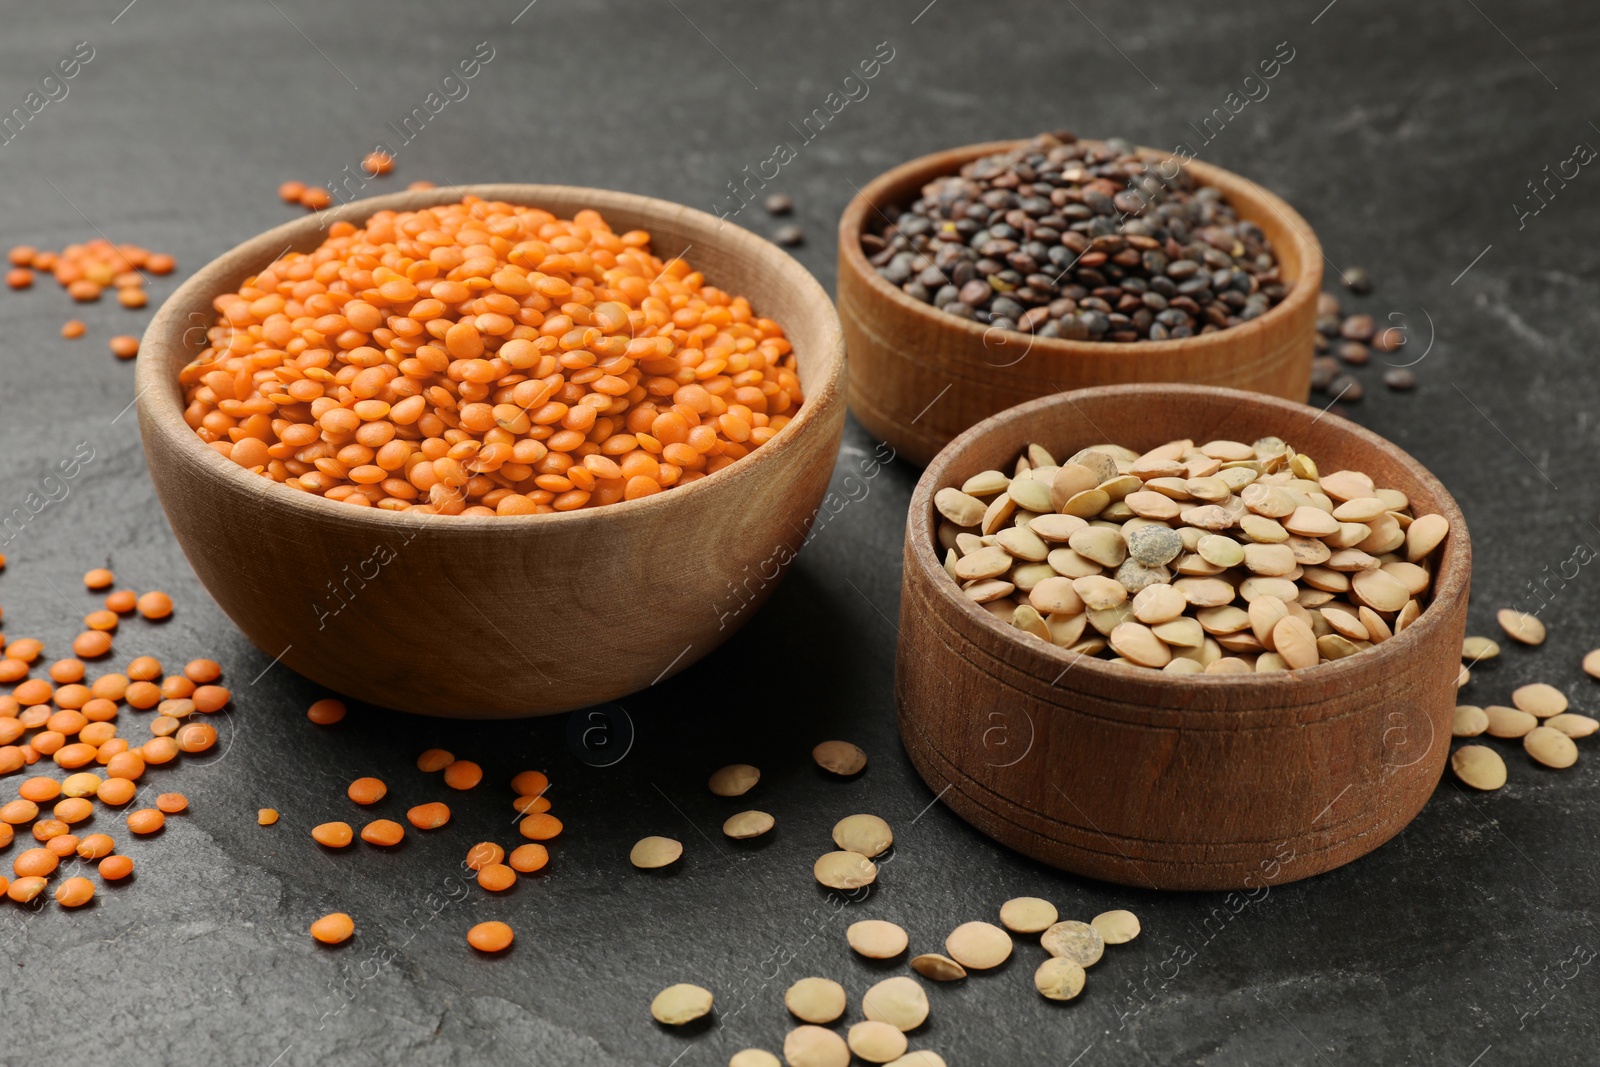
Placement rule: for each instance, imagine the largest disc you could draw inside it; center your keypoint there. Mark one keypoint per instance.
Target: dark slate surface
(1406, 134)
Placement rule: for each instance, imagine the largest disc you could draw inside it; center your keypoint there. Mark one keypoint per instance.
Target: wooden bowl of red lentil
(510, 608)
(921, 376)
(1175, 781)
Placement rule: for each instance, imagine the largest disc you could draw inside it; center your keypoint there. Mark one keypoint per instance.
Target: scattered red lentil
(202, 671)
(18, 812)
(91, 644)
(315, 198)
(421, 183)
(196, 737)
(99, 578)
(497, 877)
(383, 832)
(176, 686)
(172, 803)
(124, 346)
(333, 928)
(39, 789)
(435, 759)
(122, 601)
(45, 830)
(530, 783)
(529, 858)
(333, 834)
(72, 329)
(159, 750)
(326, 712)
(266, 816)
(490, 937)
(483, 854)
(377, 163)
(429, 816)
(144, 669)
(586, 371)
(211, 698)
(463, 774)
(63, 845)
(115, 868)
(34, 862)
(96, 846)
(73, 810)
(367, 790)
(19, 278)
(75, 892)
(290, 192)
(541, 827)
(23, 890)
(154, 605)
(146, 821)
(116, 791)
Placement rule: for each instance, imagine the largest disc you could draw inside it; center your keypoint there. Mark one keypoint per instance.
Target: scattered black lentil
(1083, 240)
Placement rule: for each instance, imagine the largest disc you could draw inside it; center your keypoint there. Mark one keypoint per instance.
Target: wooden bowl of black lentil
(1186, 273)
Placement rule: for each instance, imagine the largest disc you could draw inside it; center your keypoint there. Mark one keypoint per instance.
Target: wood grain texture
(511, 616)
(1146, 779)
(919, 377)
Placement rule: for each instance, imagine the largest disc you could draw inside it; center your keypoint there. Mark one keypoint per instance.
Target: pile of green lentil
(1082, 240)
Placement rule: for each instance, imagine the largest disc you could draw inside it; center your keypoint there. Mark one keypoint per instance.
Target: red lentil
(176, 686)
(128, 765)
(291, 191)
(72, 329)
(146, 821)
(124, 346)
(326, 712)
(197, 737)
(159, 750)
(73, 810)
(435, 759)
(116, 791)
(18, 812)
(490, 937)
(211, 698)
(75, 892)
(367, 790)
(40, 789)
(144, 669)
(377, 163)
(483, 854)
(315, 199)
(333, 928)
(46, 829)
(541, 827)
(333, 834)
(23, 890)
(463, 774)
(529, 858)
(91, 644)
(19, 277)
(383, 832)
(266, 816)
(154, 605)
(429, 816)
(531, 805)
(142, 695)
(34, 863)
(494, 360)
(96, 846)
(172, 803)
(530, 783)
(67, 670)
(122, 601)
(202, 671)
(497, 877)
(62, 846)
(115, 868)
(98, 578)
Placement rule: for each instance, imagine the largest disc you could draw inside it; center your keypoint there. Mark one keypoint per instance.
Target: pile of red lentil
(484, 358)
(71, 721)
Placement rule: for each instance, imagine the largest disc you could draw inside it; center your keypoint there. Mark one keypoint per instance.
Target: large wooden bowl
(1169, 781)
(918, 376)
(511, 616)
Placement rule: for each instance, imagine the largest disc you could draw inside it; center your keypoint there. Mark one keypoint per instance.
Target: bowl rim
(159, 398)
(949, 161)
(1450, 582)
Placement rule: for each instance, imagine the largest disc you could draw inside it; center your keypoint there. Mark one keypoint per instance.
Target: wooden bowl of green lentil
(1175, 781)
(507, 615)
(920, 376)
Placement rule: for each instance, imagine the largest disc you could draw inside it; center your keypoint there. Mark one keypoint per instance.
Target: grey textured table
(1406, 134)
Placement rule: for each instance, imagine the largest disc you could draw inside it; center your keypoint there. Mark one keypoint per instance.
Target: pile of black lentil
(1082, 240)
